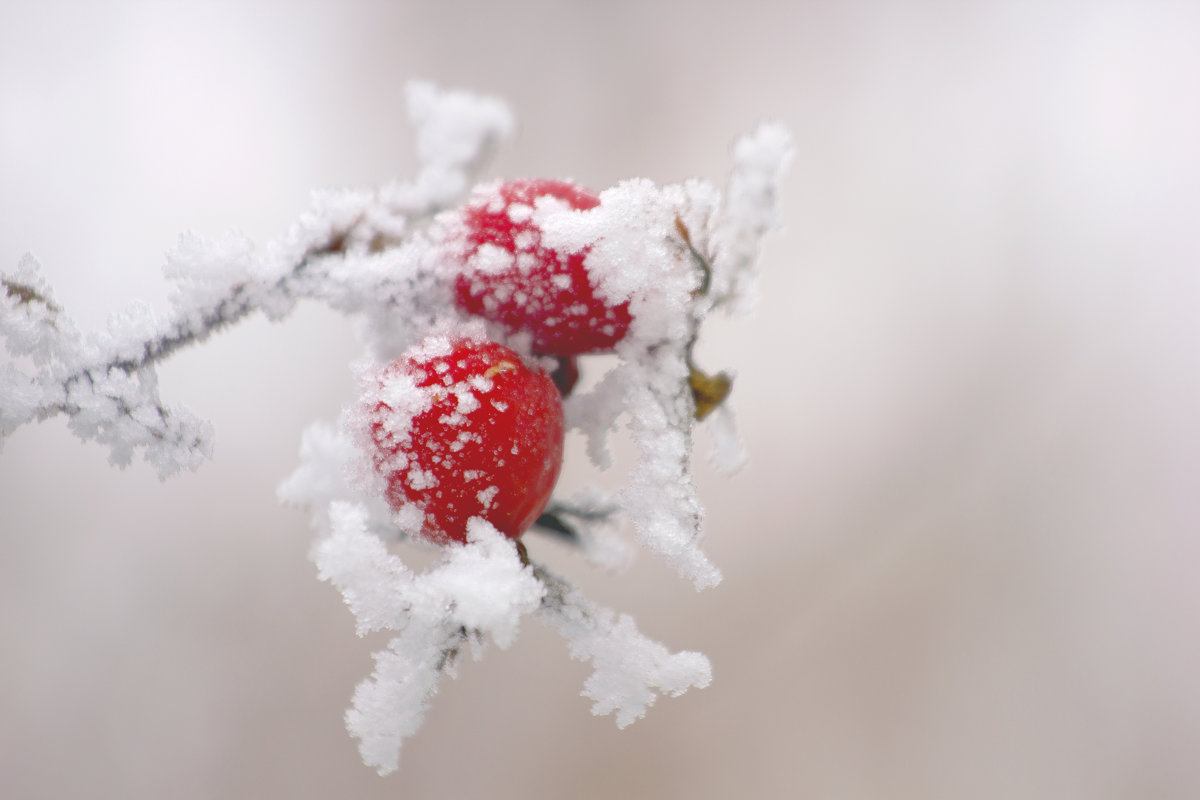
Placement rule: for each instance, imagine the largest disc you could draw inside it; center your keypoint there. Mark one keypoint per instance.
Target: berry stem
(700, 259)
(708, 391)
(26, 294)
(522, 552)
(552, 519)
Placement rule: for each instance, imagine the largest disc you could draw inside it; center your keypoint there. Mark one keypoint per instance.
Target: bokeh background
(962, 559)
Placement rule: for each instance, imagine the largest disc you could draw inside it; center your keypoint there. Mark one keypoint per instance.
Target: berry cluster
(465, 427)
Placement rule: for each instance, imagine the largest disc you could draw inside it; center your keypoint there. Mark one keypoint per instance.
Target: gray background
(962, 560)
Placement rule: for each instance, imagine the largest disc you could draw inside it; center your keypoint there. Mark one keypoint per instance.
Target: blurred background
(962, 559)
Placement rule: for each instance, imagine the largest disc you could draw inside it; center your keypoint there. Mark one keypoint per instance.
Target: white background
(962, 561)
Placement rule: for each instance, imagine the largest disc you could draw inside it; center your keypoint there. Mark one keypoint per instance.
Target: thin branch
(26, 294)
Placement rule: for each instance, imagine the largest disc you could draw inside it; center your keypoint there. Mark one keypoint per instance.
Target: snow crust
(476, 588)
(675, 253)
(629, 670)
(114, 402)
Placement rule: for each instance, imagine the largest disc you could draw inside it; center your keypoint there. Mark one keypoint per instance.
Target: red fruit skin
(551, 297)
(509, 447)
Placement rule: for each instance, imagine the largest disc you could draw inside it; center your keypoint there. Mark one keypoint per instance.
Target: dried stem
(708, 391)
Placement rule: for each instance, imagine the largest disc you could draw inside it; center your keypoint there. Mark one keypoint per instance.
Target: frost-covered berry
(464, 428)
(508, 276)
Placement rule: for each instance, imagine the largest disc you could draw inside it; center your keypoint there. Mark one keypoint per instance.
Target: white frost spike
(22, 396)
(728, 449)
(661, 498)
(635, 252)
(204, 270)
(29, 318)
(325, 458)
(454, 131)
(630, 670)
(372, 580)
(596, 413)
(490, 589)
(480, 588)
(751, 208)
(389, 706)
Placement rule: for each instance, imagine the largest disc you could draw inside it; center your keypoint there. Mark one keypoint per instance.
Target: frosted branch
(478, 589)
(630, 670)
(106, 382)
(751, 210)
(673, 254)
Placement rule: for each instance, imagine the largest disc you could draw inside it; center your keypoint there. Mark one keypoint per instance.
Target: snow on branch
(667, 256)
(676, 253)
(630, 670)
(106, 382)
(478, 590)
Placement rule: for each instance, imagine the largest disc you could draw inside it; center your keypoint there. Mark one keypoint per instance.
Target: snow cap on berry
(504, 271)
(460, 427)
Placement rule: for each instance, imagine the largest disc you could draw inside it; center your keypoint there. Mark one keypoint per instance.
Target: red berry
(464, 428)
(525, 286)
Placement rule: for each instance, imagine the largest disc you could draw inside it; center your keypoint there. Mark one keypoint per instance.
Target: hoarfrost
(751, 210)
(635, 251)
(455, 132)
(630, 670)
(728, 451)
(324, 475)
(674, 253)
(479, 589)
(362, 252)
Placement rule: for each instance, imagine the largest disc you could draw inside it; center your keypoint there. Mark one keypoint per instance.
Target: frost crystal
(673, 253)
(361, 252)
(478, 588)
(630, 670)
